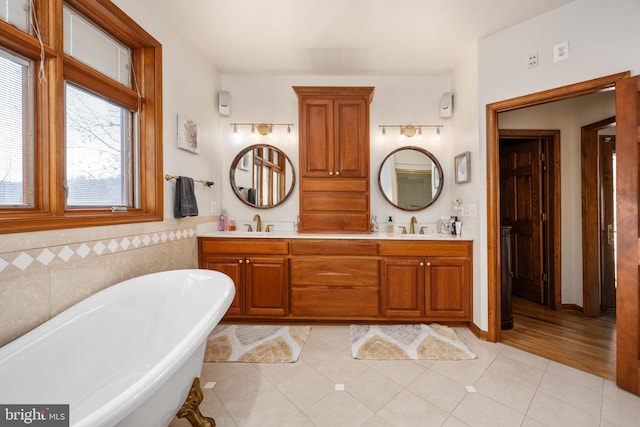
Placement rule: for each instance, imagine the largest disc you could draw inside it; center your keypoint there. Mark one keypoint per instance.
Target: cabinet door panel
(402, 288)
(448, 289)
(316, 127)
(352, 123)
(234, 268)
(266, 285)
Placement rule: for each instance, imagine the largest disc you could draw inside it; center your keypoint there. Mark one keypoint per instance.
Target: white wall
(568, 116)
(396, 100)
(190, 87)
(602, 38)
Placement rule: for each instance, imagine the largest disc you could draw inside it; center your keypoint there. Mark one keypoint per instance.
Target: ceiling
(342, 37)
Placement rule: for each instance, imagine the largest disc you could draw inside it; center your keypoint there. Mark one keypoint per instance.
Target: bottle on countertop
(222, 224)
(232, 224)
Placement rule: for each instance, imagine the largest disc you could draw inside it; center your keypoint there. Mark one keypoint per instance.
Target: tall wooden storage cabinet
(334, 159)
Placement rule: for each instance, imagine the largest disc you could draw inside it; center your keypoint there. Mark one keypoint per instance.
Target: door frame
(591, 216)
(551, 188)
(493, 177)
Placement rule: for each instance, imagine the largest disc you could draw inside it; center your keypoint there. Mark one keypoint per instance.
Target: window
(16, 129)
(80, 124)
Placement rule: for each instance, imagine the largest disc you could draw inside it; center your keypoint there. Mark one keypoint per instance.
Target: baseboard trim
(572, 307)
(482, 335)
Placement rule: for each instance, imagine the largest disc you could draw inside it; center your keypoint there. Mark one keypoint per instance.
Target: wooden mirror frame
(437, 165)
(268, 162)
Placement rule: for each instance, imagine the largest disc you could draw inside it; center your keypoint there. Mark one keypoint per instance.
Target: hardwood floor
(565, 337)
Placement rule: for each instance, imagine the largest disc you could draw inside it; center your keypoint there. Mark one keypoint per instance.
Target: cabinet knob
(428, 264)
(247, 261)
(338, 173)
(330, 173)
(421, 264)
(240, 261)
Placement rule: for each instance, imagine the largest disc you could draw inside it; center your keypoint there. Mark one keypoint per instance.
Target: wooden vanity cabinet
(258, 267)
(344, 280)
(334, 159)
(426, 280)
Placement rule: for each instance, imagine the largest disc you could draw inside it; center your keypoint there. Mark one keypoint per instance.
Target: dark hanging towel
(185, 201)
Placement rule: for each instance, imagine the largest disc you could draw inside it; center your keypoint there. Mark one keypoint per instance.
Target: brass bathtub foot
(191, 411)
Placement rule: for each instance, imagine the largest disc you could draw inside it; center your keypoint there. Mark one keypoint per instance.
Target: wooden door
(521, 208)
(607, 144)
(317, 138)
(628, 222)
(234, 268)
(402, 287)
(352, 147)
(266, 286)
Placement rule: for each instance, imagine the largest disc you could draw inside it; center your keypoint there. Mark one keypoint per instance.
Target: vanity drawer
(324, 303)
(331, 202)
(339, 185)
(334, 247)
(331, 272)
(425, 248)
(244, 246)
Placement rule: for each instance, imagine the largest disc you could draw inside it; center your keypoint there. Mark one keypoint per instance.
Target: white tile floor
(513, 388)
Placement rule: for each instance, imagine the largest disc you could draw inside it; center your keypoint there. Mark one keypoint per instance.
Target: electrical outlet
(473, 211)
(213, 207)
(560, 51)
(533, 59)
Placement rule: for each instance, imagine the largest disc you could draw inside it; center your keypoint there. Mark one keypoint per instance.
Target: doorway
(529, 204)
(628, 190)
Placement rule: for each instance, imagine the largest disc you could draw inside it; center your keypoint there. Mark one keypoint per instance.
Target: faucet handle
(423, 228)
(268, 228)
(249, 227)
(403, 228)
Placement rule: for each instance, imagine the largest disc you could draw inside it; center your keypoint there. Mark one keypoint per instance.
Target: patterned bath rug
(256, 343)
(398, 342)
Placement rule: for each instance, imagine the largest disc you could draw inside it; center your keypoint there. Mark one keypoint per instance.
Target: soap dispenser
(390, 225)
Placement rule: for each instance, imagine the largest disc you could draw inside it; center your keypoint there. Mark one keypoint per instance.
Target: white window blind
(16, 13)
(16, 130)
(89, 44)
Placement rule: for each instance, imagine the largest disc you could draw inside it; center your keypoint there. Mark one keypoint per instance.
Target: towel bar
(205, 182)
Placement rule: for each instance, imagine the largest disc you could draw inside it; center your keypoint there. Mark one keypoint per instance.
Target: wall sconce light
(410, 131)
(262, 128)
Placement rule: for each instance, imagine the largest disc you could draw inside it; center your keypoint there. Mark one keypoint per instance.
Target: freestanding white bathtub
(124, 356)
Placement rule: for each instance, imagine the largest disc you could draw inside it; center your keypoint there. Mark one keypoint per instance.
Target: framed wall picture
(188, 134)
(462, 164)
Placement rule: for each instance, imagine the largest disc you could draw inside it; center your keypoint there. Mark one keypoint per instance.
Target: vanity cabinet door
(234, 268)
(266, 286)
(402, 288)
(448, 289)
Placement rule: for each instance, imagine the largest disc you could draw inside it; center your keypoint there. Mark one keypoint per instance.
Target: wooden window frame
(49, 211)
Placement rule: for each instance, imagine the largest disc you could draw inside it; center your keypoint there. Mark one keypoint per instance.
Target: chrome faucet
(256, 218)
(412, 225)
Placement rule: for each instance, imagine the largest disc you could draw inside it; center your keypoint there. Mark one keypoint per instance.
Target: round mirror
(262, 176)
(410, 178)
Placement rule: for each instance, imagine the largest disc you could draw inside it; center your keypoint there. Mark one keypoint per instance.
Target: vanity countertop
(294, 235)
